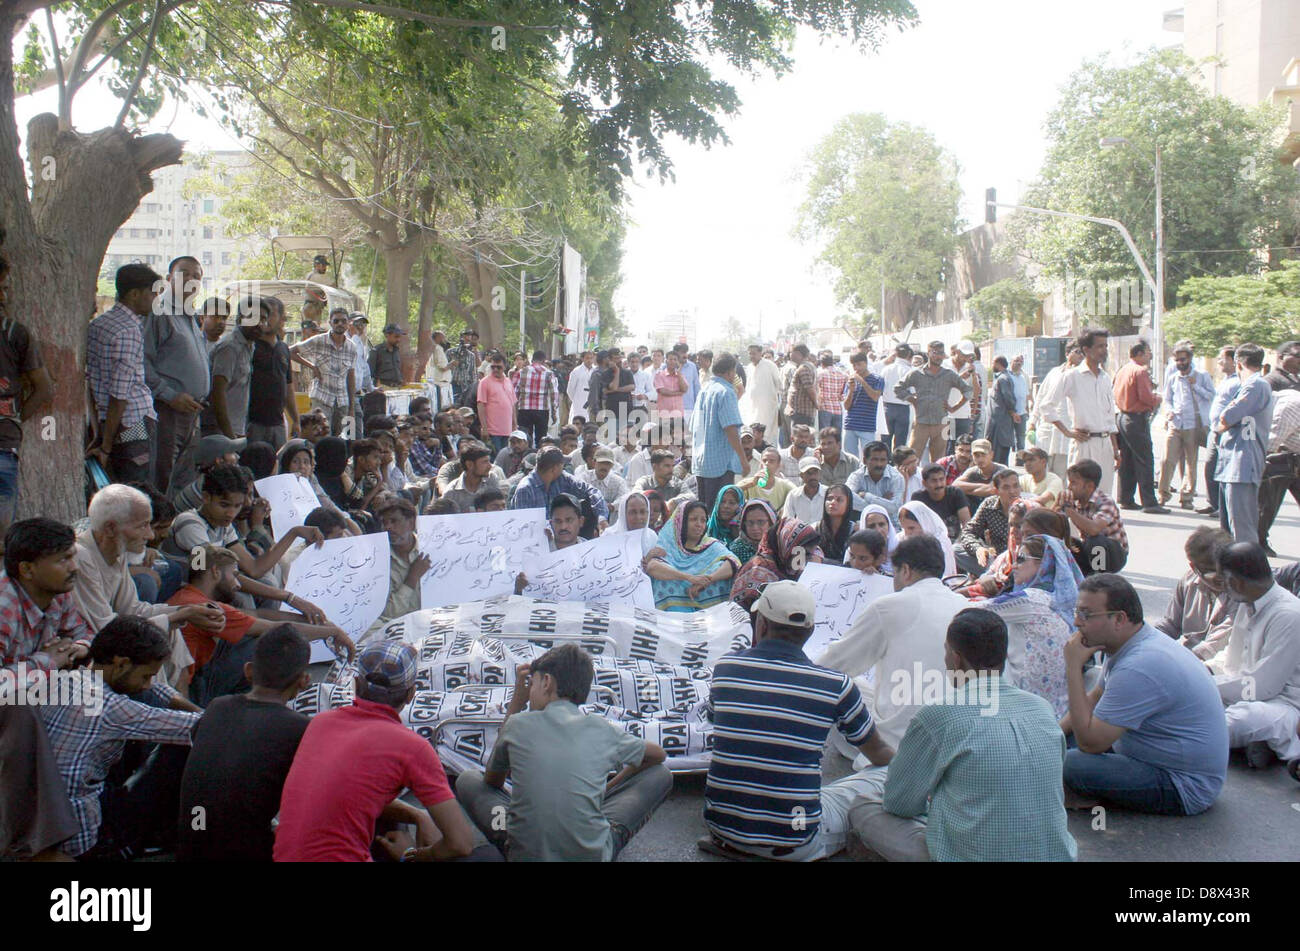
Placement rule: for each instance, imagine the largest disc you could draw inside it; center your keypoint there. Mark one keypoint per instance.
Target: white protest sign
(604, 569)
(347, 578)
(292, 500)
(477, 554)
(840, 594)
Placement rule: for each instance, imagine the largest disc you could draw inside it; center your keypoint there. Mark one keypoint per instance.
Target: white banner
(571, 315)
(347, 578)
(292, 500)
(840, 594)
(604, 569)
(476, 555)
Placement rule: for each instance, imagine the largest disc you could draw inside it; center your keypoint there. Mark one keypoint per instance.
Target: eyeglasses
(1086, 616)
(1022, 558)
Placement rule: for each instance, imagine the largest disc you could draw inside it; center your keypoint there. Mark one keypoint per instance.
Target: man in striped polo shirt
(772, 710)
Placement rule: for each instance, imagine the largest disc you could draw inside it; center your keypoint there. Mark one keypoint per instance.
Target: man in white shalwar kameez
(1047, 406)
(763, 394)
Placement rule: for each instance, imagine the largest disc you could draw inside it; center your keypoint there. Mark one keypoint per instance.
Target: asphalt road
(1256, 818)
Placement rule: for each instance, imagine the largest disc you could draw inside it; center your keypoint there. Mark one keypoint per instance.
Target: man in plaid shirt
(41, 630)
(801, 405)
(115, 368)
(116, 819)
(1096, 517)
(464, 370)
(332, 358)
(538, 394)
(831, 381)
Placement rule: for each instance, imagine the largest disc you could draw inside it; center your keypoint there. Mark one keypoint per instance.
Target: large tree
(1224, 192)
(882, 203)
(629, 77)
(1262, 309)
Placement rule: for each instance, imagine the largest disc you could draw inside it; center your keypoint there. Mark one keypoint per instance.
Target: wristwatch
(410, 854)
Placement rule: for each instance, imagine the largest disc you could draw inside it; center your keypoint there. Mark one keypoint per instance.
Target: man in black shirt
(596, 386)
(270, 386)
(243, 748)
(949, 503)
(386, 359)
(619, 385)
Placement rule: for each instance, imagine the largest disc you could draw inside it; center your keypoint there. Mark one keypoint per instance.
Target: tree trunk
(494, 331)
(424, 328)
(84, 187)
(399, 262)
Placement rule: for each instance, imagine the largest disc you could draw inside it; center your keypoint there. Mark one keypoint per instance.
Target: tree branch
(58, 64)
(144, 64)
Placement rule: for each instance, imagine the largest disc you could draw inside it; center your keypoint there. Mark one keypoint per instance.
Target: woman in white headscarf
(877, 517)
(632, 516)
(917, 518)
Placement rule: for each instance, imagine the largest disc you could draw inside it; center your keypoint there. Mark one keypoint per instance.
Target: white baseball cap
(809, 462)
(966, 347)
(786, 602)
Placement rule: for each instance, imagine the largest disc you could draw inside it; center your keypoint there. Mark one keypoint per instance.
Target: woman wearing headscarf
(786, 548)
(726, 507)
(694, 571)
(1039, 614)
(756, 518)
(298, 457)
(876, 517)
(1027, 518)
(917, 518)
(632, 517)
(837, 523)
(658, 510)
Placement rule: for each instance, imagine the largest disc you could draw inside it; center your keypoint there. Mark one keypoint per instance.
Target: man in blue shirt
(772, 710)
(861, 394)
(540, 487)
(877, 482)
(715, 431)
(1021, 384)
(1243, 429)
(691, 374)
(1186, 394)
(1228, 367)
(1151, 736)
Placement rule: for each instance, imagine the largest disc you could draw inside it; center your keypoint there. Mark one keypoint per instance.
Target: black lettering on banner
(471, 743)
(429, 648)
(635, 727)
(740, 642)
(694, 656)
(492, 623)
(442, 627)
(471, 705)
(493, 674)
(462, 645)
(645, 643)
(542, 620)
(423, 679)
(683, 691)
(594, 626)
(593, 647)
(426, 731)
(673, 737)
(647, 693)
(455, 675)
(425, 708)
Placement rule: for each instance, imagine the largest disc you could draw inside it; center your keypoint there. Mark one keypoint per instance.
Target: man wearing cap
(353, 763)
(772, 710)
(176, 369)
(962, 418)
(538, 394)
(386, 359)
(540, 487)
(320, 273)
(509, 459)
(806, 503)
(601, 475)
(333, 362)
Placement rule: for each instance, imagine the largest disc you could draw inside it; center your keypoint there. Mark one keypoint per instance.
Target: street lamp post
(1158, 305)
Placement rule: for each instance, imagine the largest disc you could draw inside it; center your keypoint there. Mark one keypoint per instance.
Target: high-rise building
(176, 218)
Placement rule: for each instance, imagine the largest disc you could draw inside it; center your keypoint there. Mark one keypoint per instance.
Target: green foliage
(882, 200)
(1262, 309)
(1008, 299)
(1223, 186)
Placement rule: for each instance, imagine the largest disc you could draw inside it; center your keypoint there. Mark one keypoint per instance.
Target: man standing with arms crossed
(1136, 400)
(1186, 394)
(926, 388)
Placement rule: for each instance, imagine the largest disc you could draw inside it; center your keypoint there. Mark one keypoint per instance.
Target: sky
(716, 241)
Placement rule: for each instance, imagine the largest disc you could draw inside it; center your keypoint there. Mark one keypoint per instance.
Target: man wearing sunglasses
(332, 360)
(1151, 735)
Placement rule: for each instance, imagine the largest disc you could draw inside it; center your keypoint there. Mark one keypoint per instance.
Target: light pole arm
(1109, 222)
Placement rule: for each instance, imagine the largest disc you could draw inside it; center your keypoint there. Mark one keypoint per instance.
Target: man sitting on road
(1151, 735)
(1095, 516)
(1199, 615)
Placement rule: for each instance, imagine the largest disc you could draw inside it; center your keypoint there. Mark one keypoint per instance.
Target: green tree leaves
(1218, 311)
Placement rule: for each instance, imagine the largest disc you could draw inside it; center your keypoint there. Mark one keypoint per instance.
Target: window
(133, 232)
(207, 259)
(207, 232)
(208, 206)
(225, 258)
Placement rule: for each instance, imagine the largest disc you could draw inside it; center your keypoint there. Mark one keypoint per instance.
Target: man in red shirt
(220, 656)
(1136, 399)
(497, 415)
(351, 765)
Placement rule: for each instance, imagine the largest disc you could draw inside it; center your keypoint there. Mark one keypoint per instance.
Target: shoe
(1186, 505)
(1207, 510)
(1164, 499)
(1129, 506)
(719, 848)
(1156, 510)
(1259, 755)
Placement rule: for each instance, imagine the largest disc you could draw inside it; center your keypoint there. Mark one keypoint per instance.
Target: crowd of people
(986, 501)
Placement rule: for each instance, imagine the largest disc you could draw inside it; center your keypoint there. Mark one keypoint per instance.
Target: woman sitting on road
(755, 519)
(690, 570)
(786, 548)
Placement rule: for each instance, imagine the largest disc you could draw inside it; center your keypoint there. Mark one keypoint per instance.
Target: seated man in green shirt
(988, 761)
(564, 805)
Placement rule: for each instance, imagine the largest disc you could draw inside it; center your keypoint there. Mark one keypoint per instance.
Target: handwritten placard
(840, 594)
(604, 569)
(476, 555)
(347, 578)
(292, 500)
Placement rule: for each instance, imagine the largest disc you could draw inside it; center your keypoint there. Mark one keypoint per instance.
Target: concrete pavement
(1256, 818)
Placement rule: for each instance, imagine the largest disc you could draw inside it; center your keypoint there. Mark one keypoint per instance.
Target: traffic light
(990, 206)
